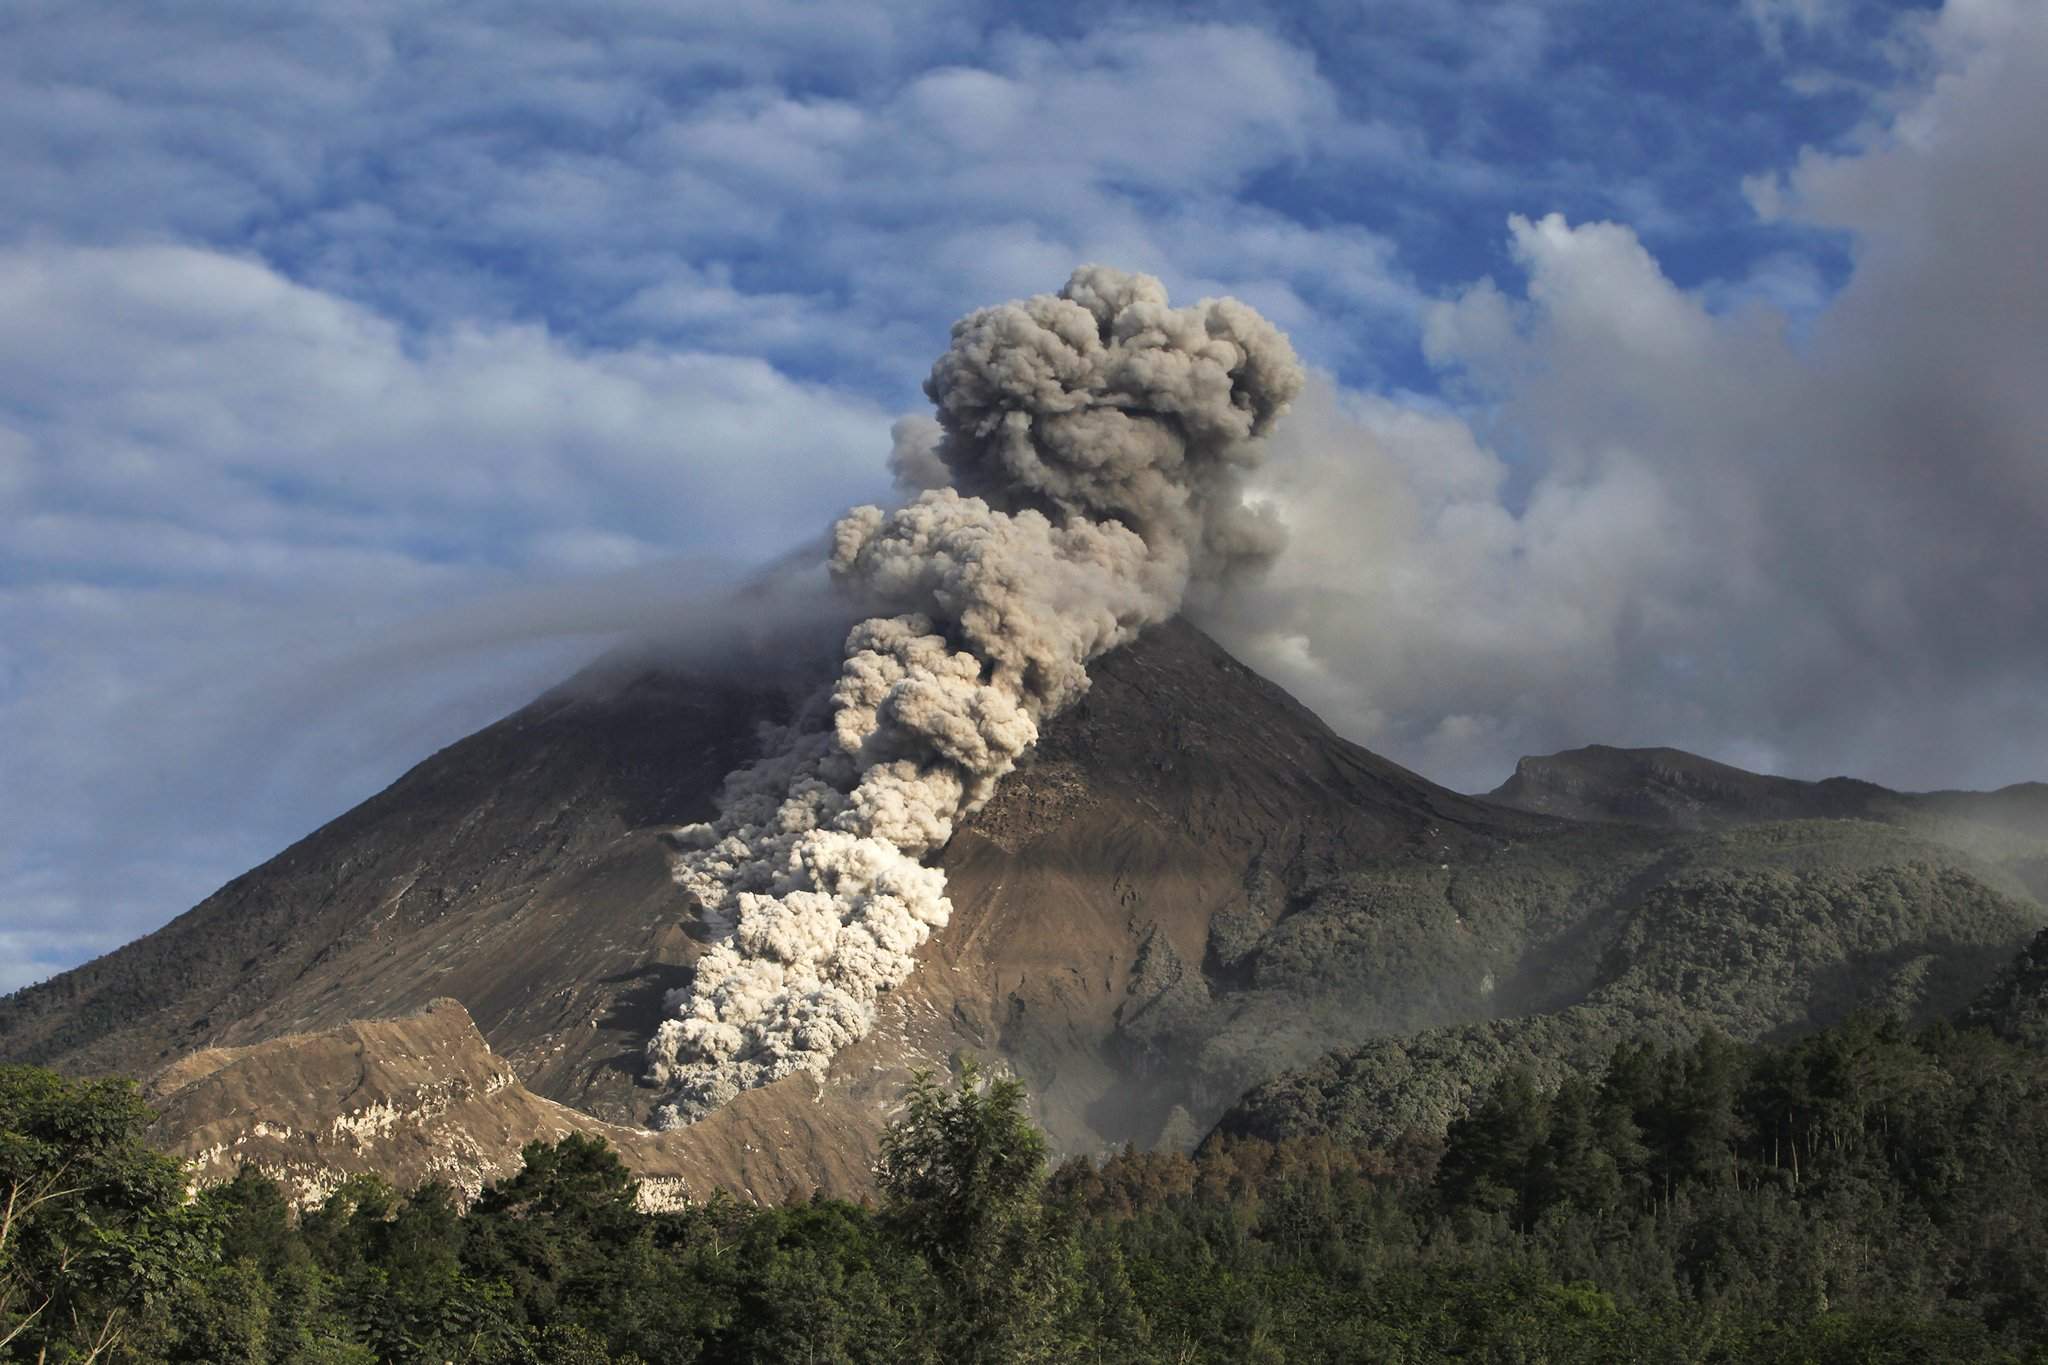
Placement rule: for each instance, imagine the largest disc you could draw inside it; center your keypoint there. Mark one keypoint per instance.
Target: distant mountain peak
(1674, 789)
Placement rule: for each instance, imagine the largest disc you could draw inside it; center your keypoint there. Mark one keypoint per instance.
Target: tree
(1495, 1157)
(1584, 1174)
(960, 1173)
(95, 1234)
(566, 1237)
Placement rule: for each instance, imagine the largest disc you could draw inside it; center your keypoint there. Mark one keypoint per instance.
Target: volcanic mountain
(1190, 887)
(524, 873)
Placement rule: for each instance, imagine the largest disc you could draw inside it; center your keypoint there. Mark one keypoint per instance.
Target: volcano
(522, 876)
(1027, 813)
(1190, 886)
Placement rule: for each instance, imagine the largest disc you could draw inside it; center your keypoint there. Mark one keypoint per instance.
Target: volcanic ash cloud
(1090, 445)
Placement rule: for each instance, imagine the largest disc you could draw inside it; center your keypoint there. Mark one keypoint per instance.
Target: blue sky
(365, 366)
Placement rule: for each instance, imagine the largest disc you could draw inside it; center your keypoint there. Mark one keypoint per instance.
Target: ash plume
(1083, 474)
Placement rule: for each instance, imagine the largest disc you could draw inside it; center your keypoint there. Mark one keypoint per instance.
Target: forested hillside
(1868, 1193)
(1580, 942)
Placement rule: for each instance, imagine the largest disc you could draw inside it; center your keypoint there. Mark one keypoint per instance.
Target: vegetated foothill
(1870, 1192)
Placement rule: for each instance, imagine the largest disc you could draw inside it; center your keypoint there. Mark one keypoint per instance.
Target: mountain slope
(1675, 789)
(1758, 929)
(1191, 886)
(412, 1098)
(1669, 788)
(523, 872)
(520, 871)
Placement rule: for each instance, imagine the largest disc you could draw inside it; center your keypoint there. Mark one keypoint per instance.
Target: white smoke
(1084, 471)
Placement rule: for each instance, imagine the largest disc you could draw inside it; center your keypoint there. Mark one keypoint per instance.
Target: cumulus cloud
(719, 181)
(1094, 441)
(1816, 548)
(265, 548)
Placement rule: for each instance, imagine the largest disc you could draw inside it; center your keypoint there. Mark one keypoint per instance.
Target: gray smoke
(1083, 473)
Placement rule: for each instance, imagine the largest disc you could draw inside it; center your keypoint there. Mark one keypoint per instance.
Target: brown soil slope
(422, 1097)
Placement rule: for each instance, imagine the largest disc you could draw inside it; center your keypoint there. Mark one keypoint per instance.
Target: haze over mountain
(1758, 906)
(1670, 789)
(1667, 787)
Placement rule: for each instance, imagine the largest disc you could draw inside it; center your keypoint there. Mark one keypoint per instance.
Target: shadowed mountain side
(1762, 931)
(1675, 789)
(520, 871)
(1672, 789)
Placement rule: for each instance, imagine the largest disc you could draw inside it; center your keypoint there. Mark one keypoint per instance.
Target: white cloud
(1826, 550)
(652, 170)
(186, 389)
(221, 486)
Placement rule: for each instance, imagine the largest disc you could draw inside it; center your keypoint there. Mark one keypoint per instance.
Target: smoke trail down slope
(1084, 471)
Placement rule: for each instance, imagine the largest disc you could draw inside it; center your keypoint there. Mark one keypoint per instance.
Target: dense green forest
(1866, 1194)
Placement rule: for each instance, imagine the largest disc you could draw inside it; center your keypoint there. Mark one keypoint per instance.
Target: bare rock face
(414, 1098)
(423, 1097)
(523, 873)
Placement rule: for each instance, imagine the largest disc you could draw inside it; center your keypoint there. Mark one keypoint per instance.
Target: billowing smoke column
(1093, 443)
